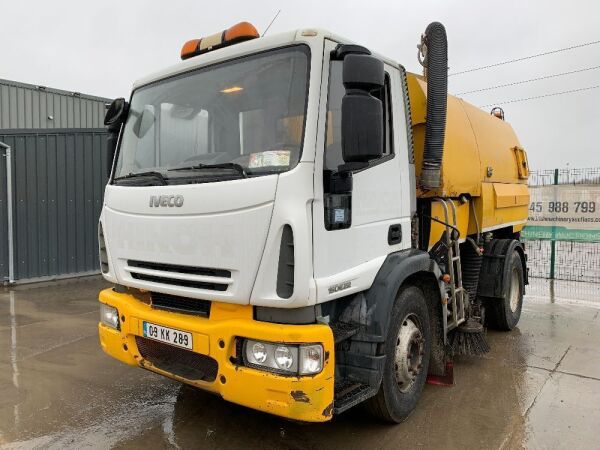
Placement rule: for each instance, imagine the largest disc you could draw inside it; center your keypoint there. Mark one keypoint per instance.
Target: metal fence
(590, 175)
(559, 259)
(575, 261)
(58, 179)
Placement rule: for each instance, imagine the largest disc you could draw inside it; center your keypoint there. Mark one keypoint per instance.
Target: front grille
(140, 270)
(181, 269)
(178, 361)
(181, 304)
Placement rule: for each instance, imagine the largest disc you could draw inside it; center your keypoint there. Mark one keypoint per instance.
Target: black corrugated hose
(437, 96)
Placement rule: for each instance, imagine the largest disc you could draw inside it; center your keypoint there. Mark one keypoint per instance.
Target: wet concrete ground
(539, 387)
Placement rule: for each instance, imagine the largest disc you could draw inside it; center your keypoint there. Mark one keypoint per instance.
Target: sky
(100, 48)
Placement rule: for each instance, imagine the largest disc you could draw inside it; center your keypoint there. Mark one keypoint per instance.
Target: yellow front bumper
(301, 398)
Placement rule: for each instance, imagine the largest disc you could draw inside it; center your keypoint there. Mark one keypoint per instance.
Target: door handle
(395, 234)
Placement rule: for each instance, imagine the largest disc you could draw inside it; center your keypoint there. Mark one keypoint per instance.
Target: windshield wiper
(229, 165)
(151, 173)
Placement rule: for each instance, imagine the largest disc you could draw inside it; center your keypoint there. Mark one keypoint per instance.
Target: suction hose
(435, 46)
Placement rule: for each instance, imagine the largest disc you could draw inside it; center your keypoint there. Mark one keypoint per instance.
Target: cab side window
(333, 140)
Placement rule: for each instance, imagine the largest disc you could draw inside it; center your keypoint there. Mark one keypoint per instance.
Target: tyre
(407, 349)
(504, 313)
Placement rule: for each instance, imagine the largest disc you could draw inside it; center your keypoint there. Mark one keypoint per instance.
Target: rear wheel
(504, 314)
(407, 350)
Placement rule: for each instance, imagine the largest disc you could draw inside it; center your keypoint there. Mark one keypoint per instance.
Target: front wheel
(407, 350)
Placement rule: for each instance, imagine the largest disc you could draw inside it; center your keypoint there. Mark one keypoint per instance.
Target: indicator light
(240, 32)
(109, 316)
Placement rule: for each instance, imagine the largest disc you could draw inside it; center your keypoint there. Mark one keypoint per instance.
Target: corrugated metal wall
(26, 106)
(58, 184)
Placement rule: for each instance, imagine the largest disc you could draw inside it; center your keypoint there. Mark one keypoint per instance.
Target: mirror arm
(111, 146)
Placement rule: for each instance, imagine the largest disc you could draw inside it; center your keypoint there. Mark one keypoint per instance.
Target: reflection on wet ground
(539, 387)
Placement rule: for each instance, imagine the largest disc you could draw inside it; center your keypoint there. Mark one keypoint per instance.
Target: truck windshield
(205, 125)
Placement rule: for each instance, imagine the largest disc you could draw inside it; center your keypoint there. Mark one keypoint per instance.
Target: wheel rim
(515, 290)
(409, 353)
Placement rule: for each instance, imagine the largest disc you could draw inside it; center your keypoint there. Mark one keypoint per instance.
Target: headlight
(283, 358)
(259, 352)
(109, 316)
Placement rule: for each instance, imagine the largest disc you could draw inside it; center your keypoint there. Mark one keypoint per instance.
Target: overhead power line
(529, 81)
(510, 61)
(540, 96)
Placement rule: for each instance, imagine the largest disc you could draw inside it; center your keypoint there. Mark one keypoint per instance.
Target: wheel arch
(494, 268)
(401, 269)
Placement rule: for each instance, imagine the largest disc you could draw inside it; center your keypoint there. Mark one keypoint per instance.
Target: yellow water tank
(482, 159)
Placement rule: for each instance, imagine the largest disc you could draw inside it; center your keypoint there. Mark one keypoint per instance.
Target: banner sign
(564, 213)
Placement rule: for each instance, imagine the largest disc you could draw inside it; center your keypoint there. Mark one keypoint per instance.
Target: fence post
(553, 241)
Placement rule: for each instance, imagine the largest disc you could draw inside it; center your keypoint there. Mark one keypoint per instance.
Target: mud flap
(447, 379)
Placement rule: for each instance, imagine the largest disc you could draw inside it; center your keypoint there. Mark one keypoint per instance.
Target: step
(352, 395)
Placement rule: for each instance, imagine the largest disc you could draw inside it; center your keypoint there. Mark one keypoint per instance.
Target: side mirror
(362, 113)
(114, 118)
(116, 113)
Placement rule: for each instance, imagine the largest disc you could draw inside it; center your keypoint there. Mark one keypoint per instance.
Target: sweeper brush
(468, 339)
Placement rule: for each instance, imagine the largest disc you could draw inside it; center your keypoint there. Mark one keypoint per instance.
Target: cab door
(347, 258)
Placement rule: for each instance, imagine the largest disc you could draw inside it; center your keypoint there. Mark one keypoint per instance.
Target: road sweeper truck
(297, 224)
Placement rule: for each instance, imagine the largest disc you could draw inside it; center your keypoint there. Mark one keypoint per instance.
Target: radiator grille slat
(181, 269)
(184, 363)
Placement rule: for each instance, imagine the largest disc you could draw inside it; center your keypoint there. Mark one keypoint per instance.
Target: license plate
(168, 335)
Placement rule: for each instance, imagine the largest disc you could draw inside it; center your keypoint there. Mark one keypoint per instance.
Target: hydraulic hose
(436, 63)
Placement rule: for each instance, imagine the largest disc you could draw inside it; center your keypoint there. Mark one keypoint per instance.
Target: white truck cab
(273, 107)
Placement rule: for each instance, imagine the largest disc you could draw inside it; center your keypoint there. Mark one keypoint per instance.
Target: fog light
(109, 316)
(259, 351)
(283, 357)
(311, 359)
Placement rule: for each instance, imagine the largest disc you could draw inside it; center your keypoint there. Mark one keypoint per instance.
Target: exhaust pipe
(434, 47)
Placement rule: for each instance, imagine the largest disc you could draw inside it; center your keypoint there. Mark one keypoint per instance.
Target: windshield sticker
(269, 158)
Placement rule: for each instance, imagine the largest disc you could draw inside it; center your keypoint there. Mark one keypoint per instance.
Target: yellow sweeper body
(483, 162)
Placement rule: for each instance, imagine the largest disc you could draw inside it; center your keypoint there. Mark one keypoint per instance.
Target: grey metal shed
(52, 176)
(27, 106)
